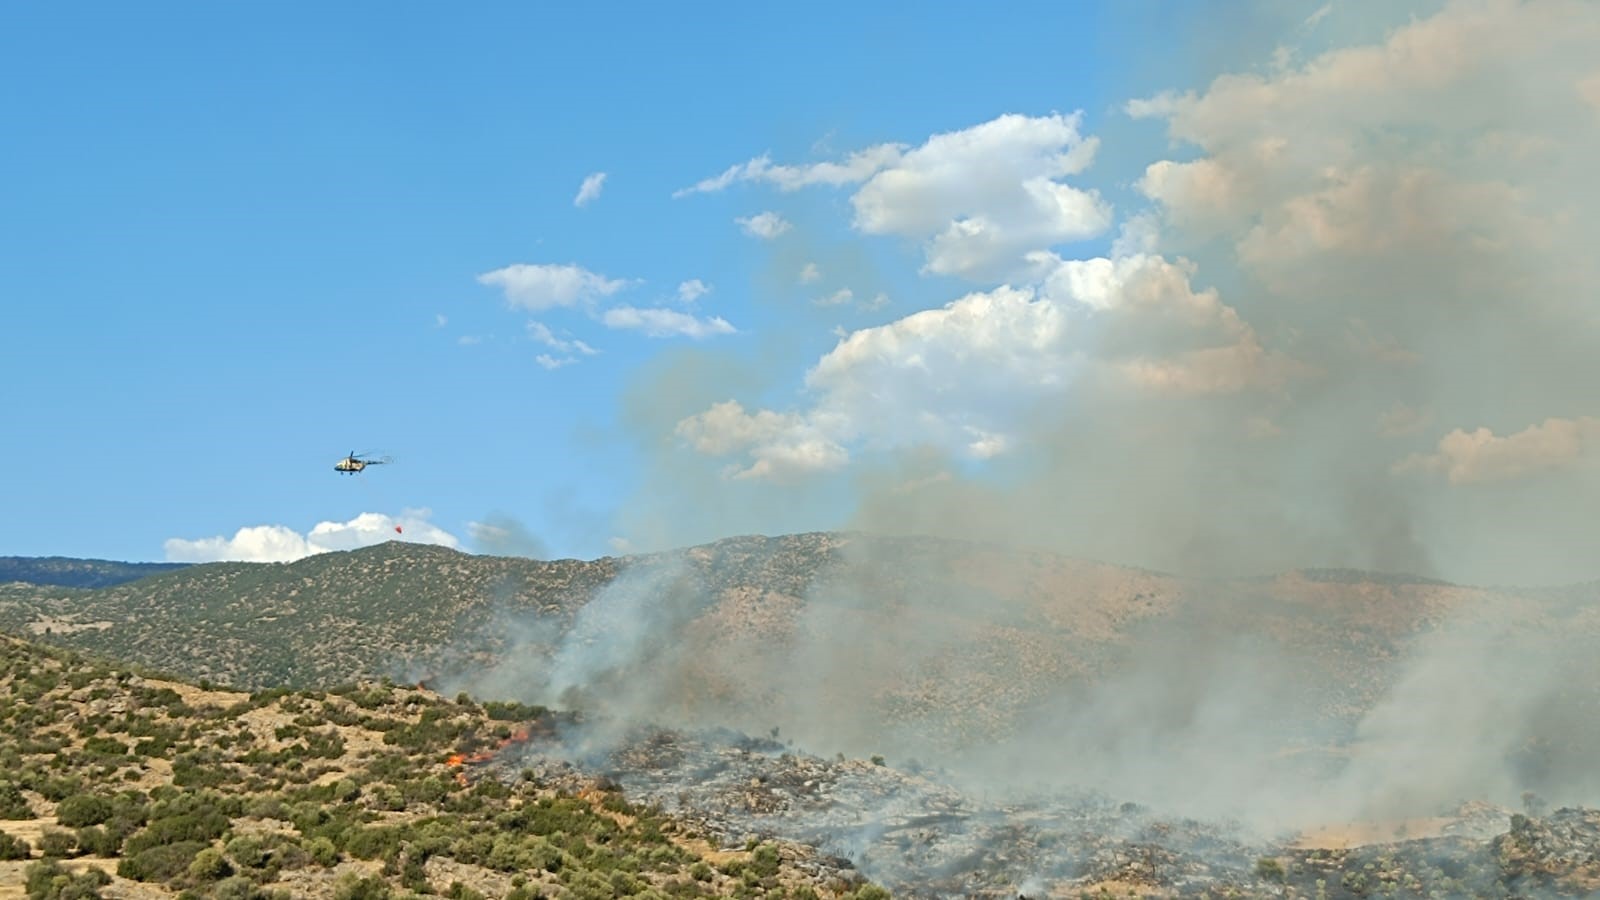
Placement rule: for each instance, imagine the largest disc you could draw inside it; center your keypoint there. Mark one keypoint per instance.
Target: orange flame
(520, 735)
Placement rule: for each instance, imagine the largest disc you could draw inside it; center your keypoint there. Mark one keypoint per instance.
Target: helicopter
(352, 464)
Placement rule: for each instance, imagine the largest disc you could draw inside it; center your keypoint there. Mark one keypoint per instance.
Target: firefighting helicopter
(352, 464)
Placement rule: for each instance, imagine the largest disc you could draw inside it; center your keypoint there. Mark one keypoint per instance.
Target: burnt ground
(920, 836)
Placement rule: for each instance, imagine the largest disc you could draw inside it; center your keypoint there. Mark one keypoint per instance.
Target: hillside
(119, 784)
(954, 641)
(62, 571)
(126, 785)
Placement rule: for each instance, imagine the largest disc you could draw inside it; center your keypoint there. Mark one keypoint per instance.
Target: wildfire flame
(520, 735)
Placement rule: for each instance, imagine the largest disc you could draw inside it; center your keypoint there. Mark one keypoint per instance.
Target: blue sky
(232, 231)
(241, 241)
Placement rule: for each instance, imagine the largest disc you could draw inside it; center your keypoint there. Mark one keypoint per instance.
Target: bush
(1269, 868)
(764, 860)
(160, 863)
(202, 827)
(237, 887)
(81, 810)
(209, 865)
(349, 887)
(99, 841)
(324, 853)
(14, 847)
(105, 746)
(48, 881)
(12, 804)
(57, 844)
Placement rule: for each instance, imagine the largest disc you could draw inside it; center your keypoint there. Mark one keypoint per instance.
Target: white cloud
(779, 444)
(984, 196)
(439, 321)
(540, 287)
(590, 190)
(965, 376)
(541, 332)
(810, 273)
(278, 543)
(837, 298)
(1466, 457)
(857, 168)
(665, 322)
(692, 290)
(979, 198)
(468, 340)
(766, 226)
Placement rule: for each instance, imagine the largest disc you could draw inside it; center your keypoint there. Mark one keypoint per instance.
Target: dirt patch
(197, 698)
(1360, 834)
(30, 830)
(54, 625)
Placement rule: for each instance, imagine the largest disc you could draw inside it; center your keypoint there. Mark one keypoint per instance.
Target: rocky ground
(921, 836)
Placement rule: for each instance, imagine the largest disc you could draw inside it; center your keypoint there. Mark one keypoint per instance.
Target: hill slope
(142, 787)
(851, 642)
(63, 571)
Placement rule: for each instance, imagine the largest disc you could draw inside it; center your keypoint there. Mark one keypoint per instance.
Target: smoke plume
(1344, 321)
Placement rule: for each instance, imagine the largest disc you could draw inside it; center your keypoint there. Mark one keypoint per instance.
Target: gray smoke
(1352, 327)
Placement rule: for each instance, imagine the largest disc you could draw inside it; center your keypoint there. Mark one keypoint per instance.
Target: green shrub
(160, 863)
(186, 827)
(99, 841)
(105, 746)
(349, 887)
(57, 844)
(46, 880)
(14, 847)
(764, 860)
(324, 853)
(81, 810)
(209, 865)
(12, 804)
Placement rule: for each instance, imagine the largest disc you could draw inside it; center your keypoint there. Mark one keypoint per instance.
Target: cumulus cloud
(810, 273)
(660, 323)
(964, 376)
(692, 290)
(1465, 457)
(766, 225)
(537, 287)
(978, 198)
(837, 298)
(279, 543)
(984, 196)
(590, 189)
